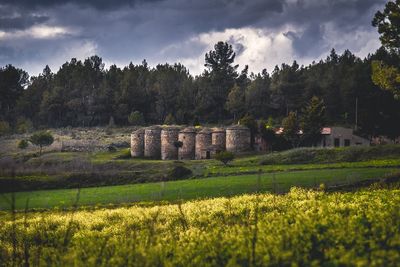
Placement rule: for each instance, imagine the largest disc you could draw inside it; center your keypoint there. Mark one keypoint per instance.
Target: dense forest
(87, 94)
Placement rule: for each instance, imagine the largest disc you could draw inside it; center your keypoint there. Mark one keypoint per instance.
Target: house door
(208, 155)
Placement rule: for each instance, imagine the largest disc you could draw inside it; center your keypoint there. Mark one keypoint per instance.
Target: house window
(346, 142)
(337, 142)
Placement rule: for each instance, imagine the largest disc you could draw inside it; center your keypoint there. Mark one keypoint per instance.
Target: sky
(263, 33)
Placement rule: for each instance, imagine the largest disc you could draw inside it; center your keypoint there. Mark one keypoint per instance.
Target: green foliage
(83, 93)
(225, 157)
(388, 24)
(12, 82)
(312, 121)
(24, 125)
(4, 128)
(169, 120)
(291, 129)
(258, 96)
(136, 118)
(41, 139)
(267, 132)
(23, 144)
(301, 227)
(250, 123)
(220, 78)
(235, 102)
(386, 77)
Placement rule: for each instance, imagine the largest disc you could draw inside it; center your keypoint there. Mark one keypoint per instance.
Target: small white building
(340, 136)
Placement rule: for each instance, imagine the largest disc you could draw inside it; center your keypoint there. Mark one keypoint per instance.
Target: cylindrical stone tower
(203, 142)
(169, 138)
(188, 138)
(237, 138)
(218, 137)
(137, 143)
(152, 142)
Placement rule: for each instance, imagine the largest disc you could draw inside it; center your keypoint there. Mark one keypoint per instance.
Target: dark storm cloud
(159, 30)
(98, 4)
(20, 22)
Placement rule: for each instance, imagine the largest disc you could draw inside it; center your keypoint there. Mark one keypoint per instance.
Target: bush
(136, 118)
(225, 157)
(23, 144)
(179, 172)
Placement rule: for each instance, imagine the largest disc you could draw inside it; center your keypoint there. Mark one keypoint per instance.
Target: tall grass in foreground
(303, 227)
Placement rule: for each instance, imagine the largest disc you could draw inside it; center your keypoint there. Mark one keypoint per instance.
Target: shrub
(41, 139)
(179, 172)
(225, 157)
(4, 128)
(23, 144)
(136, 118)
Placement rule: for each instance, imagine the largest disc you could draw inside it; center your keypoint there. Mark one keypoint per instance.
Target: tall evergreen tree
(222, 73)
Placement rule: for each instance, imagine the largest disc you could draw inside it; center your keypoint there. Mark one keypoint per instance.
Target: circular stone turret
(137, 143)
(188, 138)
(169, 138)
(237, 138)
(218, 137)
(203, 144)
(152, 142)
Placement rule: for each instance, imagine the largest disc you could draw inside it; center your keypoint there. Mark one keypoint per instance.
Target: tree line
(84, 93)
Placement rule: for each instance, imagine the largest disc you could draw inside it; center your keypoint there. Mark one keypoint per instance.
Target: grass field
(194, 188)
(301, 228)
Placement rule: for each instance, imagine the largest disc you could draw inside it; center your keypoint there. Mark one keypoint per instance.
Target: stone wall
(188, 138)
(218, 139)
(169, 137)
(203, 142)
(137, 143)
(237, 139)
(156, 143)
(152, 142)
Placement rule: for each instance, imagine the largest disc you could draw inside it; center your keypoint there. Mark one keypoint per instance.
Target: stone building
(137, 143)
(169, 139)
(203, 144)
(152, 142)
(237, 139)
(188, 138)
(218, 139)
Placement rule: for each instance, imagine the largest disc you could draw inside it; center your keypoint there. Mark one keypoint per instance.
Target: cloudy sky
(264, 33)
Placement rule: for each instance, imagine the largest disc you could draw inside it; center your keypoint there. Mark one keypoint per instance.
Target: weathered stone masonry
(156, 142)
